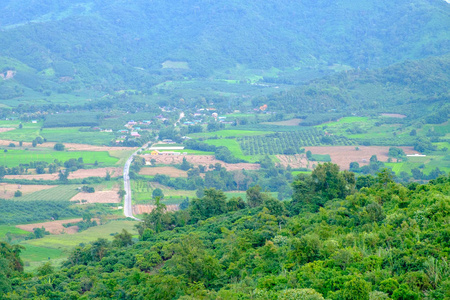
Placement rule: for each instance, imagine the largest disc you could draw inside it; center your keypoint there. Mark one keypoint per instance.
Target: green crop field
(58, 193)
(58, 247)
(74, 135)
(235, 148)
(13, 157)
(4, 229)
(24, 134)
(289, 142)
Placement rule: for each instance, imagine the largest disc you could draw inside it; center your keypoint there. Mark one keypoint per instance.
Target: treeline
(72, 119)
(333, 241)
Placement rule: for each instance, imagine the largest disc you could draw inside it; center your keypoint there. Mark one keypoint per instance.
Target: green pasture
(235, 148)
(74, 135)
(295, 173)
(58, 193)
(13, 157)
(58, 247)
(425, 164)
(229, 133)
(24, 134)
(4, 229)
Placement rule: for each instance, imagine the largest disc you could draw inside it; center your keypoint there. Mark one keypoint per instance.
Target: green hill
(101, 44)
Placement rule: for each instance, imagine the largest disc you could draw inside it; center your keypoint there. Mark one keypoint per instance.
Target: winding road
(127, 207)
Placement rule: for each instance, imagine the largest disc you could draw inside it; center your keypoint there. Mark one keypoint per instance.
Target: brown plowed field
(7, 190)
(54, 227)
(5, 129)
(147, 208)
(295, 161)
(69, 146)
(169, 171)
(98, 197)
(78, 174)
(344, 155)
(196, 160)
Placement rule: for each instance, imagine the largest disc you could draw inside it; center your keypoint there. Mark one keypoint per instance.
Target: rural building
(135, 134)
(155, 152)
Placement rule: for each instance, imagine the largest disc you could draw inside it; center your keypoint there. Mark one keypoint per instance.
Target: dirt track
(196, 160)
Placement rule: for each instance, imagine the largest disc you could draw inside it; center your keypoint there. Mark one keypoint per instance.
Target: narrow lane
(127, 207)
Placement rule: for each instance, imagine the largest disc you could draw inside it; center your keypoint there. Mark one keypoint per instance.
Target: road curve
(127, 208)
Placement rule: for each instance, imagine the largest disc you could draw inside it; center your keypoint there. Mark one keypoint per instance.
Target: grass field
(74, 135)
(24, 134)
(4, 229)
(59, 193)
(13, 157)
(428, 163)
(235, 148)
(58, 247)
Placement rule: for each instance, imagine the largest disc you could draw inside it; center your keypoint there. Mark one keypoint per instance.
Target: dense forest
(339, 238)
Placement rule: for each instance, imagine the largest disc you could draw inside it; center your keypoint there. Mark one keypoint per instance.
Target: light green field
(13, 157)
(430, 162)
(235, 148)
(74, 135)
(58, 247)
(346, 120)
(58, 193)
(24, 134)
(228, 133)
(295, 173)
(4, 229)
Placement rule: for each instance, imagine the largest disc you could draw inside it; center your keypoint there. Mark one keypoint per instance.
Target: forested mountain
(338, 238)
(415, 88)
(105, 42)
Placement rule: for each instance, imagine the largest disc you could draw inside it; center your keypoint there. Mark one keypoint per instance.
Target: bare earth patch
(295, 161)
(100, 172)
(292, 122)
(399, 116)
(7, 190)
(5, 129)
(197, 160)
(110, 196)
(54, 227)
(147, 208)
(169, 171)
(344, 155)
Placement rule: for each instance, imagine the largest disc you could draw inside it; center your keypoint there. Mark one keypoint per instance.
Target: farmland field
(229, 133)
(59, 193)
(188, 151)
(169, 171)
(14, 158)
(289, 142)
(4, 229)
(7, 190)
(74, 135)
(57, 247)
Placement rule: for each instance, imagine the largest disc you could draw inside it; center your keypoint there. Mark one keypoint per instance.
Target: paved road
(127, 208)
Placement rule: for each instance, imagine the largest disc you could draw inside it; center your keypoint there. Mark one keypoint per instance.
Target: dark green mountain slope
(103, 42)
(415, 88)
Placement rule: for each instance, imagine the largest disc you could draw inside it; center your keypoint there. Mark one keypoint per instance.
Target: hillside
(378, 241)
(100, 44)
